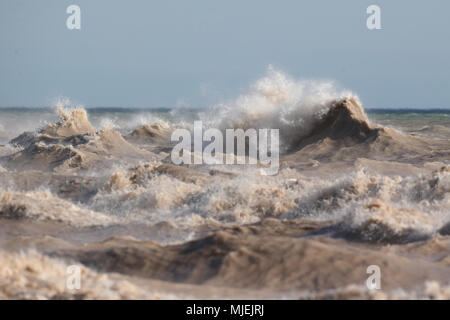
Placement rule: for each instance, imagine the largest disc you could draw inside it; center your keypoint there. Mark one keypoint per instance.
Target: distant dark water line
(408, 111)
(190, 110)
(89, 109)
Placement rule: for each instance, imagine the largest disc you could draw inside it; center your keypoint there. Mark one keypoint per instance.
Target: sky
(148, 53)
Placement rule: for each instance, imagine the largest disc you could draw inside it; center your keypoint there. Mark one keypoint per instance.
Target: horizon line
(128, 108)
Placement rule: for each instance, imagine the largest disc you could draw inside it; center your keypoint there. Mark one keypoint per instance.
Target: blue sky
(145, 53)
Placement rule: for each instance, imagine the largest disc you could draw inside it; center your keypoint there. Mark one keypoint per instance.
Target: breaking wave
(278, 101)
